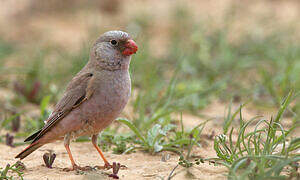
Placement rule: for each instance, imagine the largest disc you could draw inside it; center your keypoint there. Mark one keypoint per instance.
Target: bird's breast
(109, 99)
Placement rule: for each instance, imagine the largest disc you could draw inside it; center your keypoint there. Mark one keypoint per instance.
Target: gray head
(113, 50)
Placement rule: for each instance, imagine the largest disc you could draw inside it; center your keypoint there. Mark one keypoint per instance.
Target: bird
(95, 97)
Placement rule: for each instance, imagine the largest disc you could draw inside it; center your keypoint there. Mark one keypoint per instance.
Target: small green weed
(153, 142)
(166, 137)
(15, 168)
(32, 124)
(120, 143)
(260, 154)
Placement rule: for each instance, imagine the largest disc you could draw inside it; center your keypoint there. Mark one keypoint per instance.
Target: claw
(106, 166)
(109, 166)
(76, 168)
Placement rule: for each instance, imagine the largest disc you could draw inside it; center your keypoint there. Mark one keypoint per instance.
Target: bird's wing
(78, 90)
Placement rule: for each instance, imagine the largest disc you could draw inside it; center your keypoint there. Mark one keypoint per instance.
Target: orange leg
(94, 141)
(74, 165)
(70, 154)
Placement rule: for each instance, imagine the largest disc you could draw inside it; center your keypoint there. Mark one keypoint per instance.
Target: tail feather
(32, 147)
(31, 137)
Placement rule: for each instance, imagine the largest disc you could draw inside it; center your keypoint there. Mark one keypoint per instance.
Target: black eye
(113, 42)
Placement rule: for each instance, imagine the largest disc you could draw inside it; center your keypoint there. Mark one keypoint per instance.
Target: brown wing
(77, 92)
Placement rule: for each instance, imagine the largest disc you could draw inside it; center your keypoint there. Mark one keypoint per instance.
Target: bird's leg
(74, 165)
(94, 141)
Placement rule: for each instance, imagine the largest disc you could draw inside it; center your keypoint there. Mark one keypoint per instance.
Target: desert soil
(63, 30)
(140, 165)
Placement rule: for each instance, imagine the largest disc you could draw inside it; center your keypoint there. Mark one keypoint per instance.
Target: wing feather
(75, 94)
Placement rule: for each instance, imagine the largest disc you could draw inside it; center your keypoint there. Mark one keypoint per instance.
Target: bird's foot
(108, 166)
(76, 168)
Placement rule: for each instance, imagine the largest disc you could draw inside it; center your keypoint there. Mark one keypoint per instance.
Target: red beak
(130, 48)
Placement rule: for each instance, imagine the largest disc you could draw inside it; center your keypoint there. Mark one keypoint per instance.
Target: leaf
(8, 120)
(167, 128)
(44, 103)
(230, 117)
(200, 124)
(133, 128)
(157, 147)
(153, 133)
(294, 144)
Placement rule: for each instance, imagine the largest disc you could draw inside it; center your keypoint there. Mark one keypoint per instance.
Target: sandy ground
(139, 165)
(63, 30)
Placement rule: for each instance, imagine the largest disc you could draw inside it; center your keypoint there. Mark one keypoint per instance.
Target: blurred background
(192, 54)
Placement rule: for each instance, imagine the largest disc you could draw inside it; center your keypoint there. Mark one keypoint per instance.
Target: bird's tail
(32, 147)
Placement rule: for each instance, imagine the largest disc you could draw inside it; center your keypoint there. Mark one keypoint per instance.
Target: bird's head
(113, 50)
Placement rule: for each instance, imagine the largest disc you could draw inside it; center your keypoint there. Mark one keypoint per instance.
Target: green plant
(38, 122)
(121, 142)
(154, 140)
(5, 123)
(15, 168)
(6, 48)
(166, 138)
(262, 153)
